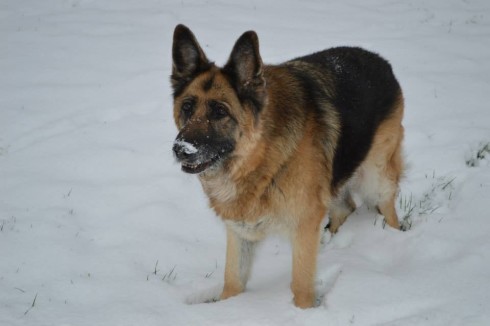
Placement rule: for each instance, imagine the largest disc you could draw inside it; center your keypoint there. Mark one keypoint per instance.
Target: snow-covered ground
(98, 225)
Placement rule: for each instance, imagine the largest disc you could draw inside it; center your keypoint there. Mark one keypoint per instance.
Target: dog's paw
(205, 296)
(342, 239)
(325, 282)
(326, 237)
(406, 224)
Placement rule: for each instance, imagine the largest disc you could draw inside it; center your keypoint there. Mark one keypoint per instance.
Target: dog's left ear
(188, 58)
(245, 68)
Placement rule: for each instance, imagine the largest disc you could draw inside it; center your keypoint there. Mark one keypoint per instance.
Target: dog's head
(214, 107)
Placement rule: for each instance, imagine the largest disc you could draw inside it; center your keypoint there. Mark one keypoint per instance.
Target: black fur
(365, 92)
(188, 58)
(244, 71)
(358, 84)
(208, 83)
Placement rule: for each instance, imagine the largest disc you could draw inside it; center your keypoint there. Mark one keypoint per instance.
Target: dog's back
(363, 92)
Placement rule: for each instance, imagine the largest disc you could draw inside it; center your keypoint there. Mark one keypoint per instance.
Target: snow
(187, 147)
(98, 225)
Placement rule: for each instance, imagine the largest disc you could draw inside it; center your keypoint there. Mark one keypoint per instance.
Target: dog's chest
(252, 231)
(239, 214)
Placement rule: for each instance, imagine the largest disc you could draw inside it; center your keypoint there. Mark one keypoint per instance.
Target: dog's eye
(218, 110)
(187, 109)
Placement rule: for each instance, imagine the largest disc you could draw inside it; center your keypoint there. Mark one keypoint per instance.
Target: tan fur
(278, 178)
(242, 194)
(295, 205)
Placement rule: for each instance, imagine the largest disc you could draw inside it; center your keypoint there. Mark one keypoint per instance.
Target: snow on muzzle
(196, 158)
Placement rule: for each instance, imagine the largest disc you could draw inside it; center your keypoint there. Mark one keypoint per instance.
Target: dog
(277, 147)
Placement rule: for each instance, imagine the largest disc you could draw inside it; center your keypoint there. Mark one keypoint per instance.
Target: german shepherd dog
(277, 147)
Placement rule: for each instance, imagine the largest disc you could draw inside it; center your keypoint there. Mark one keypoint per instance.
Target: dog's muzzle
(194, 159)
(198, 157)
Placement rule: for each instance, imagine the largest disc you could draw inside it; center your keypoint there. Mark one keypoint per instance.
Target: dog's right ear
(188, 58)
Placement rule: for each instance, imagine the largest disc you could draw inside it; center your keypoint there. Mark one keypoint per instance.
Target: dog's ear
(188, 58)
(245, 68)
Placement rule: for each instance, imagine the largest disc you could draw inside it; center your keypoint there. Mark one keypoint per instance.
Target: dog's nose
(184, 150)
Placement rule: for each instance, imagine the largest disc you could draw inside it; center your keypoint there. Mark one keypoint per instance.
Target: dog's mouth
(195, 158)
(198, 167)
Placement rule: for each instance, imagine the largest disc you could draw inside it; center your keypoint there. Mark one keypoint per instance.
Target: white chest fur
(252, 231)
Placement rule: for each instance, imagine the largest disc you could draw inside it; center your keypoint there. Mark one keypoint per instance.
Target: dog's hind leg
(340, 208)
(239, 259)
(382, 170)
(387, 209)
(389, 178)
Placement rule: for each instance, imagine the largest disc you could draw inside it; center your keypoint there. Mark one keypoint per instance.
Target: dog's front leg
(305, 242)
(239, 258)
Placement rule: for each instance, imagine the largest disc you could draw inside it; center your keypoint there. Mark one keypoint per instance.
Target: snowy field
(98, 225)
